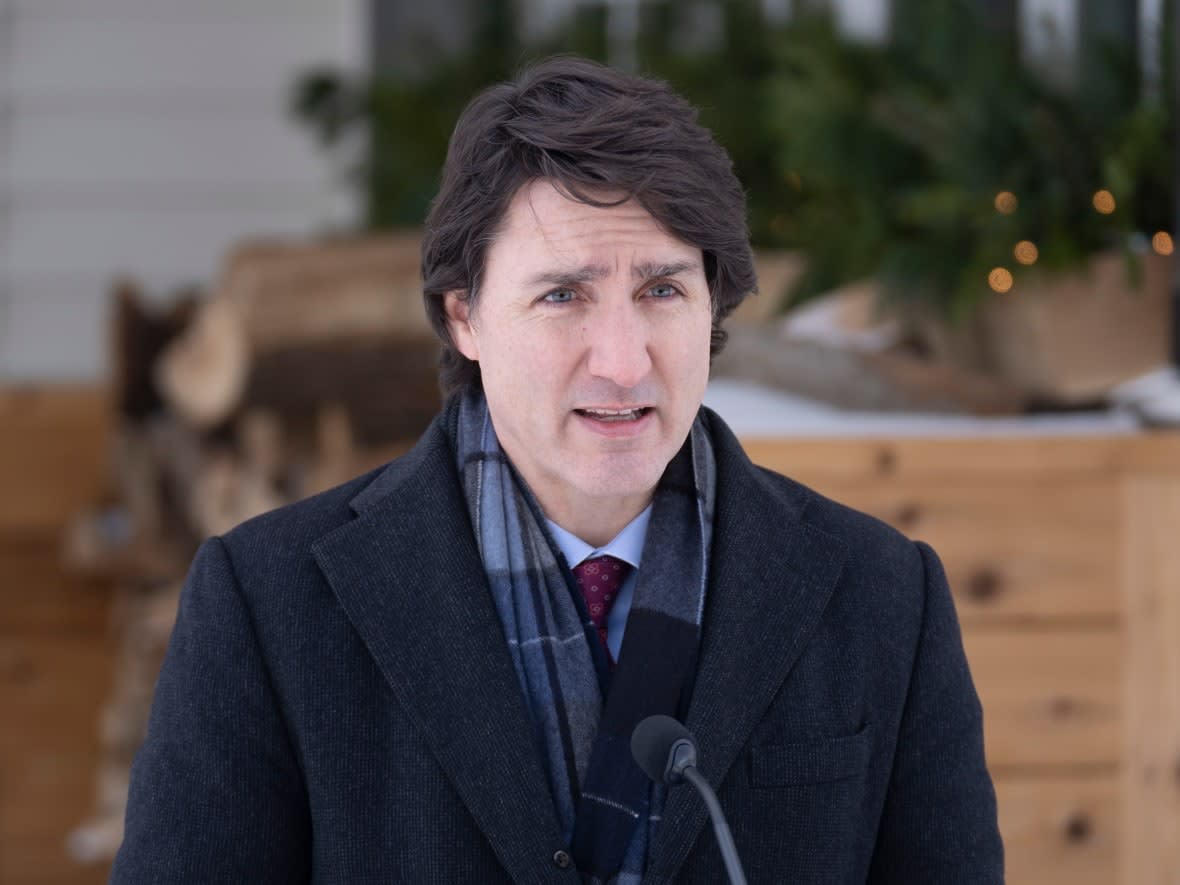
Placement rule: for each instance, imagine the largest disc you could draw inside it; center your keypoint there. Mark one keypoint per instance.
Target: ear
(458, 312)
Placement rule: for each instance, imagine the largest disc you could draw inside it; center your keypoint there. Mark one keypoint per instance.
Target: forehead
(544, 228)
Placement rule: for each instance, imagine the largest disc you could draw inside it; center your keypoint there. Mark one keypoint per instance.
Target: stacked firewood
(304, 365)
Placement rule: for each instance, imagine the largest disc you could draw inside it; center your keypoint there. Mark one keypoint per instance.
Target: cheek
(695, 344)
(543, 350)
(525, 362)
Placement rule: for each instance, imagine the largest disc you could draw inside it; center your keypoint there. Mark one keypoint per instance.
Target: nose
(617, 341)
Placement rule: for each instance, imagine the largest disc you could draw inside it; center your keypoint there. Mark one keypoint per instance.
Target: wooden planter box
(1075, 337)
(1062, 554)
(1070, 338)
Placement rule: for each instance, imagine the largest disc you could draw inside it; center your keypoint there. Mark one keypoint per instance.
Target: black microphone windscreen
(651, 744)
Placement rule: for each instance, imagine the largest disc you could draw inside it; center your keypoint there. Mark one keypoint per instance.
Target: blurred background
(963, 212)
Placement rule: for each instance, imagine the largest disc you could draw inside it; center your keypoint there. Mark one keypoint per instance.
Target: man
(432, 673)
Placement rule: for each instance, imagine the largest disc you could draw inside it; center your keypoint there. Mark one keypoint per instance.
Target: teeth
(614, 414)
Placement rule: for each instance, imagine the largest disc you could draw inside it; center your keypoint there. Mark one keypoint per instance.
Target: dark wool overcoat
(338, 705)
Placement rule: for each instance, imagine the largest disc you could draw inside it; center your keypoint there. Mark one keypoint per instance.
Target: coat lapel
(771, 576)
(409, 576)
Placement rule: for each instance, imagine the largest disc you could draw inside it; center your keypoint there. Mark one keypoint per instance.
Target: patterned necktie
(599, 578)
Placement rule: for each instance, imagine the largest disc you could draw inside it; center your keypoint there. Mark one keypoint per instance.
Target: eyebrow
(588, 273)
(647, 270)
(585, 274)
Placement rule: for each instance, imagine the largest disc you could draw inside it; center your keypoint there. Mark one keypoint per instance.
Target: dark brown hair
(587, 129)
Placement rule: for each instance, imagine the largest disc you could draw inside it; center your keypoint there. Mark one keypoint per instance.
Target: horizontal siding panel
(53, 338)
(186, 10)
(159, 285)
(193, 102)
(52, 56)
(61, 152)
(148, 239)
(229, 196)
(55, 327)
(147, 138)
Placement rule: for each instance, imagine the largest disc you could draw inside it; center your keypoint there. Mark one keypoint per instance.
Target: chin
(622, 481)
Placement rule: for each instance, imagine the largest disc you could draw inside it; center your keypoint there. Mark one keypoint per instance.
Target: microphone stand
(733, 865)
(667, 753)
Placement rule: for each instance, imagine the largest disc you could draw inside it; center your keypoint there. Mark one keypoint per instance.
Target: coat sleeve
(939, 822)
(216, 791)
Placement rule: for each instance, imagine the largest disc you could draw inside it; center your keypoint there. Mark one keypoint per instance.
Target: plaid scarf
(582, 714)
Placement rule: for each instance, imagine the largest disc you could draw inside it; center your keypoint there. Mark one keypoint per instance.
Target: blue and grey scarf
(582, 713)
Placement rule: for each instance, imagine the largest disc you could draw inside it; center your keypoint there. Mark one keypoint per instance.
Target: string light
(1006, 202)
(1000, 279)
(1161, 242)
(1104, 202)
(1026, 252)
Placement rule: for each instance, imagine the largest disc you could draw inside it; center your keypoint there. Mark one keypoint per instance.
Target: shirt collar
(627, 545)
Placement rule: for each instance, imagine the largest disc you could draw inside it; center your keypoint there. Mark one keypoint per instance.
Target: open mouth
(614, 415)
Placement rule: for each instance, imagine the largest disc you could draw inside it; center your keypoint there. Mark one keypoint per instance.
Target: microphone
(667, 753)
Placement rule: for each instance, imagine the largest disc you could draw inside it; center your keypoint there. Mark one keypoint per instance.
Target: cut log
(261, 443)
(335, 450)
(139, 537)
(281, 299)
(292, 293)
(203, 374)
(136, 466)
(227, 491)
(388, 387)
(144, 621)
(891, 381)
(139, 333)
(104, 544)
(304, 366)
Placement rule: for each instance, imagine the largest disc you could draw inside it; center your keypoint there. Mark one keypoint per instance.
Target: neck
(597, 521)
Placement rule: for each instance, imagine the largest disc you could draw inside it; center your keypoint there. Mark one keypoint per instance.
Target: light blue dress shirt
(627, 545)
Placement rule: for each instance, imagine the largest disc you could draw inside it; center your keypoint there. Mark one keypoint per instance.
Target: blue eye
(559, 296)
(663, 290)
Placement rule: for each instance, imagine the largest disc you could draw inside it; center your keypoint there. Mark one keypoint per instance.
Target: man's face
(592, 333)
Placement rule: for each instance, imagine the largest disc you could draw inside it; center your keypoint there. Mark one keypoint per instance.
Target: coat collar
(771, 576)
(408, 574)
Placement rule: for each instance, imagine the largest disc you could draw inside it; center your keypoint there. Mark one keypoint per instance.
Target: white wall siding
(866, 20)
(129, 151)
(53, 333)
(1050, 36)
(177, 237)
(205, 51)
(146, 137)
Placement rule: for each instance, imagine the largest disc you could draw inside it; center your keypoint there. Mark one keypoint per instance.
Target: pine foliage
(901, 153)
(872, 160)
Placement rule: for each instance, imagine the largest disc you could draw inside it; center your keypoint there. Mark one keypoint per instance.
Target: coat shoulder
(877, 557)
(878, 554)
(859, 531)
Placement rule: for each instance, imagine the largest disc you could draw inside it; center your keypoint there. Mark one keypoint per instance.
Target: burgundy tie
(599, 578)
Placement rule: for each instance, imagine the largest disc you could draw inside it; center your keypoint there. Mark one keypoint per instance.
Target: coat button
(562, 859)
